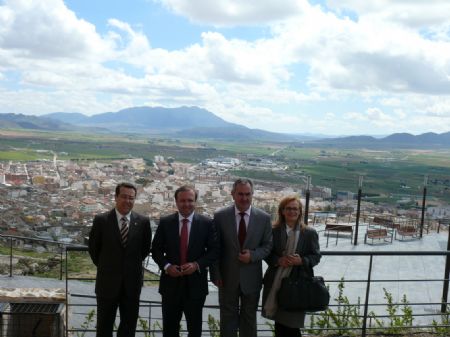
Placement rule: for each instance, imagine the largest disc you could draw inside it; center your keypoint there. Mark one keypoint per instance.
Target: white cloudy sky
(328, 67)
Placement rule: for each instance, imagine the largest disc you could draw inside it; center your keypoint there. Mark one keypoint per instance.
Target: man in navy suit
(119, 241)
(185, 244)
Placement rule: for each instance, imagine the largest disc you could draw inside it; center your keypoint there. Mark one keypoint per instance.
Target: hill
(148, 119)
(19, 121)
(398, 140)
(194, 122)
(39, 123)
(182, 122)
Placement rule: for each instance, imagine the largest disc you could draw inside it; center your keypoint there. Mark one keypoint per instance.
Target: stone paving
(332, 268)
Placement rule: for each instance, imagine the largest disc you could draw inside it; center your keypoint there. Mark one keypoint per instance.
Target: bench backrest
(382, 221)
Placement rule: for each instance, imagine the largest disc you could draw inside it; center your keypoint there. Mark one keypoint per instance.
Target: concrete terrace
(332, 268)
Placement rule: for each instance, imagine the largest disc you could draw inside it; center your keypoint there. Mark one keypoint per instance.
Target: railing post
(61, 262)
(366, 303)
(307, 194)
(67, 298)
(358, 210)
(10, 256)
(446, 276)
(425, 181)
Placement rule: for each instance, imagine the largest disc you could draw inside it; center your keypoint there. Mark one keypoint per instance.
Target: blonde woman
(294, 244)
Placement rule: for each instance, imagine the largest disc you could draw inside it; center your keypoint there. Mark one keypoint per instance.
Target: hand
(189, 268)
(174, 271)
(283, 262)
(294, 260)
(244, 256)
(218, 283)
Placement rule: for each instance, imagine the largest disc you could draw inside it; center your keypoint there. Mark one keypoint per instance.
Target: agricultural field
(388, 173)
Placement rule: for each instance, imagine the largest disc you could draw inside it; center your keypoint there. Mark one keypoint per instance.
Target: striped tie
(124, 231)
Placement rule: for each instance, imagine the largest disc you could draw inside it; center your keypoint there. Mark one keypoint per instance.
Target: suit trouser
(237, 312)
(107, 311)
(173, 307)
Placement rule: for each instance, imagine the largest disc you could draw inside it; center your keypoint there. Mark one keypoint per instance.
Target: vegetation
(346, 319)
(443, 327)
(87, 323)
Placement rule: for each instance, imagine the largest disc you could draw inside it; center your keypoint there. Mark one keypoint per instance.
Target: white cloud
(47, 30)
(234, 12)
(388, 58)
(413, 13)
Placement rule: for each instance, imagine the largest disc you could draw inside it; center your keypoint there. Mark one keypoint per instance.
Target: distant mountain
(147, 119)
(237, 133)
(182, 122)
(19, 121)
(69, 117)
(401, 140)
(194, 122)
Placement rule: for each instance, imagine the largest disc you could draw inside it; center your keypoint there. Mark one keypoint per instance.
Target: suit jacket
(203, 248)
(116, 265)
(308, 248)
(258, 240)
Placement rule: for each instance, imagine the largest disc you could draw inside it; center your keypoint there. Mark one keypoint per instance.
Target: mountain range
(194, 122)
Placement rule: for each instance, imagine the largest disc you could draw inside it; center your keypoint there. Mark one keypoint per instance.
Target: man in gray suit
(245, 236)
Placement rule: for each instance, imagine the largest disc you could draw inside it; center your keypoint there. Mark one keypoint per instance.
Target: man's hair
(242, 181)
(126, 185)
(186, 188)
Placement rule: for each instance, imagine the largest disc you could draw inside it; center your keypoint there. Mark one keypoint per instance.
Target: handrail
(368, 280)
(59, 244)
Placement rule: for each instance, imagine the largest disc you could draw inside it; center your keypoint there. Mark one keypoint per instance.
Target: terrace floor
(332, 268)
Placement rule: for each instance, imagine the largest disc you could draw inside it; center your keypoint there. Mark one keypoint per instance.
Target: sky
(330, 67)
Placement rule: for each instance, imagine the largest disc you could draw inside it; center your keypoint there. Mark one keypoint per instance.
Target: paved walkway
(332, 268)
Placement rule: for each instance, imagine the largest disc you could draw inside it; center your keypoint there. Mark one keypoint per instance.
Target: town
(57, 199)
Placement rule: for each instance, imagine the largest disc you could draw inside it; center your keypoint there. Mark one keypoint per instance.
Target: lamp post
(422, 219)
(308, 185)
(358, 208)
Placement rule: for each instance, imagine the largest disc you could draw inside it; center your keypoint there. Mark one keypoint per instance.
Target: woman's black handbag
(302, 292)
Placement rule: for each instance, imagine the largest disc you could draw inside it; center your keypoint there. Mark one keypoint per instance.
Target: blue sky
(336, 67)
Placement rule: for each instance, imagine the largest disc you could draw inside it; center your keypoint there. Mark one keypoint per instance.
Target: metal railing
(59, 248)
(369, 281)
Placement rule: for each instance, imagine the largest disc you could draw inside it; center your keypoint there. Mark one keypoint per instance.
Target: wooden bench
(389, 223)
(406, 231)
(443, 222)
(380, 234)
(338, 229)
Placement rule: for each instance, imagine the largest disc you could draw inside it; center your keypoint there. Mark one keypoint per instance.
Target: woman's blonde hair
(280, 217)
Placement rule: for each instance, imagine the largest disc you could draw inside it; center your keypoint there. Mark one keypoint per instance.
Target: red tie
(242, 230)
(184, 242)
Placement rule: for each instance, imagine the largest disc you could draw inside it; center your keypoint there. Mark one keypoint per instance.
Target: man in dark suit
(185, 244)
(119, 241)
(245, 237)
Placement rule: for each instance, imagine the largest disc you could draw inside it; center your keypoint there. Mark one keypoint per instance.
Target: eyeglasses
(291, 209)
